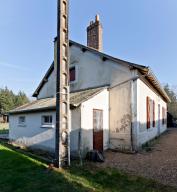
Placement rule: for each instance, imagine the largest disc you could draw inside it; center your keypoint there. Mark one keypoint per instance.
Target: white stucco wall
(120, 117)
(144, 134)
(32, 134)
(100, 101)
(49, 87)
(91, 71)
(75, 129)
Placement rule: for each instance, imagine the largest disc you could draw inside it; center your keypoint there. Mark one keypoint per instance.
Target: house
(3, 118)
(114, 104)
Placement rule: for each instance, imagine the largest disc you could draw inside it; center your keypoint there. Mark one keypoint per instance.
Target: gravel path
(160, 164)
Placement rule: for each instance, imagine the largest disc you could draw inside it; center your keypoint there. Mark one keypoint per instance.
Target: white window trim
(76, 75)
(22, 124)
(47, 125)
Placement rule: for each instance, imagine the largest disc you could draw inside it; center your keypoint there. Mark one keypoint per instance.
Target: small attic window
(72, 72)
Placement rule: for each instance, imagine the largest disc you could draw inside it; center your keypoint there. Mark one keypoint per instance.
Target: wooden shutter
(72, 72)
(148, 112)
(154, 122)
(163, 115)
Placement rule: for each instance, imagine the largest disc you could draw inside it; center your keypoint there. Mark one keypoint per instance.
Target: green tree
(9, 100)
(172, 107)
(20, 99)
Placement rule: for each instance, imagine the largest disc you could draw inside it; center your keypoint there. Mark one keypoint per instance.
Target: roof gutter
(153, 79)
(53, 108)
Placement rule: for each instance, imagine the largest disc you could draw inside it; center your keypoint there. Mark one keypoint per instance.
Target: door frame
(102, 127)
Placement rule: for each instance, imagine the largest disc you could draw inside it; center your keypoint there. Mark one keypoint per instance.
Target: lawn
(4, 128)
(20, 173)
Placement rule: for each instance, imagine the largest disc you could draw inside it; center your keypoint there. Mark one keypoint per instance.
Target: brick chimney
(94, 34)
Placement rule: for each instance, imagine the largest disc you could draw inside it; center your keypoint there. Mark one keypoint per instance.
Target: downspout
(132, 115)
(80, 137)
(132, 102)
(109, 109)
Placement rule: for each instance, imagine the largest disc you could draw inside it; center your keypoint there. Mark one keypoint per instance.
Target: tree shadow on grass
(19, 173)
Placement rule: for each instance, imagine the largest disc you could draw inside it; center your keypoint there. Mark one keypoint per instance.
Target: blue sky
(140, 31)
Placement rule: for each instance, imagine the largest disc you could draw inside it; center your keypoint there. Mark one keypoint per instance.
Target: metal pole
(62, 87)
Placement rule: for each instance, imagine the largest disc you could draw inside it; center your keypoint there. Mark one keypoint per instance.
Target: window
(97, 120)
(98, 129)
(21, 120)
(150, 110)
(163, 116)
(72, 73)
(47, 120)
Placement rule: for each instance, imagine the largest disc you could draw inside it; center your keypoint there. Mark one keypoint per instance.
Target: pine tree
(172, 107)
(9, 100)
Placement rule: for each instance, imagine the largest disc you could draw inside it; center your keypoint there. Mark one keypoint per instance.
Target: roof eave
(156, 82)
(150, 76)
(35, 94)
(32, 110)
(53, 108)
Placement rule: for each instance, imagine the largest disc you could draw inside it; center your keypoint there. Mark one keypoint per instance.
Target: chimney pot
(97, 18)
(94, 34)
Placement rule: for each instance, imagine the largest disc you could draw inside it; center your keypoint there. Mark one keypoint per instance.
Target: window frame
(22, 123)
(150, 113)
(76, 74)
(101, 123)
(48, 124)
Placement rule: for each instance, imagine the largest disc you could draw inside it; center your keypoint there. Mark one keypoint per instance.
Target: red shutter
(148, 113)
(163, 115)
(72, 72)
(154, 123)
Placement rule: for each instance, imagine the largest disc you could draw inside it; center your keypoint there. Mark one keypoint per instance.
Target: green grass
(20, 173)
(4, 128)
